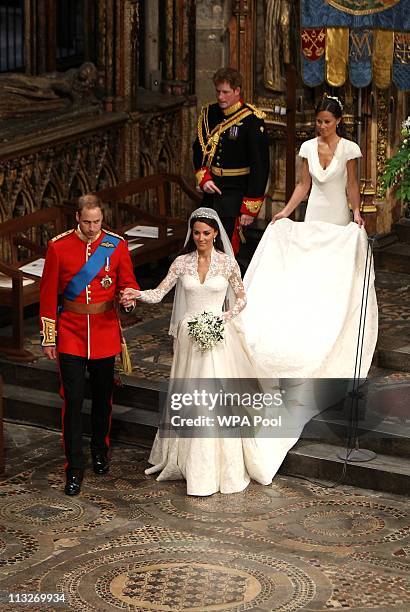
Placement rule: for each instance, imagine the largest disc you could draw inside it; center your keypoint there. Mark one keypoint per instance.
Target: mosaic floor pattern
(128, 542)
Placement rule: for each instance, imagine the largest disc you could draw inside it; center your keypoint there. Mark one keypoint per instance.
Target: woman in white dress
(309, 276)
(206, 276)
(330, 168)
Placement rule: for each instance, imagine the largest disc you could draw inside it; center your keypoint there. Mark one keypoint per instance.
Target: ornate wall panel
(40, 176)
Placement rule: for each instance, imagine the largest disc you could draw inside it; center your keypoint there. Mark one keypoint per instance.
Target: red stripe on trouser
(107, 437)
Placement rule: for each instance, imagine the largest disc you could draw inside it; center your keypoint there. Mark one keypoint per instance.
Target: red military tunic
(93, 336)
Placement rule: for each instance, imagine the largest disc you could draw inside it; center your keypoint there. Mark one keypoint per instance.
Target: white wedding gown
(305, 282)
(304, 295)
(209, 464)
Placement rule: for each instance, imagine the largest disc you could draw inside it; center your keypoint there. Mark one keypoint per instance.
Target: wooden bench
(22, 241)
(125, 202)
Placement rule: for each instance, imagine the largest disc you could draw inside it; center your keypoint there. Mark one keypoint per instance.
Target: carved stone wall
(44, 170)
(212, 44)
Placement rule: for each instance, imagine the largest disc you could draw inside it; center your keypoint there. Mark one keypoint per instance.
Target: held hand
(246, 219)
(279, 215)
(210, 187)
(357, 217)
(50, 352)
(128, 297)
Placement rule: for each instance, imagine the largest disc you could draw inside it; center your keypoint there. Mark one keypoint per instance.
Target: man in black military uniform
(231, 155)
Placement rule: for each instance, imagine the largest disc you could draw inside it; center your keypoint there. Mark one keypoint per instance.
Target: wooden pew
(19, 242)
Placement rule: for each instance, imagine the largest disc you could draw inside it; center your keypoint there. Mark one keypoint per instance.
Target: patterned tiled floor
(128, 542)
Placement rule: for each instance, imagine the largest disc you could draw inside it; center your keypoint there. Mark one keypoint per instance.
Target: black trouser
(72, 371)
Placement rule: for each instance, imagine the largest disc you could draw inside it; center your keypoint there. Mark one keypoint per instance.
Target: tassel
(125, 357)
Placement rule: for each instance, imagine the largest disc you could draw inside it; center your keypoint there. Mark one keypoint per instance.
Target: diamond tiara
(205, 213)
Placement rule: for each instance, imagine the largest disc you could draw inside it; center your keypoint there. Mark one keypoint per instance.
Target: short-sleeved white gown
(304, 290)
(304, 284)
(215, 463)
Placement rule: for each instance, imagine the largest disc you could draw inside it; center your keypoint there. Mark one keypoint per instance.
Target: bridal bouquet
(206, 330)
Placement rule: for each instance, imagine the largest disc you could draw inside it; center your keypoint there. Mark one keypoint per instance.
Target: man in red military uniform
(89, 266)
(231, 155)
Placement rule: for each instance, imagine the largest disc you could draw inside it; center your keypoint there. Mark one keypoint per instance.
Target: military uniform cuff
(48, 332)
(251, 206)
(202, 176)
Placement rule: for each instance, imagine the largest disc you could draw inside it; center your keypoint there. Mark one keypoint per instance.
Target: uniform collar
(84, 238)
(233, 109)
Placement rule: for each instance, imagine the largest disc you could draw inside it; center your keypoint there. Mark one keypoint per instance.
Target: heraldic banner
(364, 40)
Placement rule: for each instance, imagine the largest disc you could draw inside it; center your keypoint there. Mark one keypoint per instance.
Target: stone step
(402, 230)
(320, 461)
(380, 437)
(42, 376)
(395, 358)
(395, 258)
(43, 409)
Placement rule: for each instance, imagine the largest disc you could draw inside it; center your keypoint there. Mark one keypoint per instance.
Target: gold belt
(230, 171)
(80, 308)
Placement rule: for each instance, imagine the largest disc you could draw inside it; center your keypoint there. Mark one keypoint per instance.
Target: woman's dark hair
(333, 106)
(190, 245)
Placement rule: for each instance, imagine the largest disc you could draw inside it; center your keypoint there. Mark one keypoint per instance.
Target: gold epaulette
(256, 111)
(113, 234)
(70, 231)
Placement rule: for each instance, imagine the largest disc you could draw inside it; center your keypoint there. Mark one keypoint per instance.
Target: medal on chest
(107, 281)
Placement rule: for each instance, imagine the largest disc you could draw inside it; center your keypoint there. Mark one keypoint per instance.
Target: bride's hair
(334, 106)
(190, 245)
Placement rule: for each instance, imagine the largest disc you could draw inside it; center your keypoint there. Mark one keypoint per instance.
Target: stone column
(212, 17)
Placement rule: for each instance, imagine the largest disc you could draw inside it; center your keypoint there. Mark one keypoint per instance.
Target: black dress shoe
(100, 463)
(73, 484)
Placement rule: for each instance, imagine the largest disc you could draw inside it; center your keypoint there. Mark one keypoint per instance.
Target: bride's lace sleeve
(153, 296)
(235, 281)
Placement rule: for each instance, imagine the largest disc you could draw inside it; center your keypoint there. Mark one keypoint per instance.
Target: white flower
(206, 329)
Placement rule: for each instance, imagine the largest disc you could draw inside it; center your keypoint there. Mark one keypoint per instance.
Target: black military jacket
(232, 149)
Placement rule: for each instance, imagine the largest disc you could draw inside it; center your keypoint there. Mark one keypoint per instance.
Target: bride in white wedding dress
(310, 275)
(205, 276)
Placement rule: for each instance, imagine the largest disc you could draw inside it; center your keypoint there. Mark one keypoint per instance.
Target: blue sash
(91, 268)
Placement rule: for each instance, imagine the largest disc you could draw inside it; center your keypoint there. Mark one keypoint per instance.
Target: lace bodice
(207, 296)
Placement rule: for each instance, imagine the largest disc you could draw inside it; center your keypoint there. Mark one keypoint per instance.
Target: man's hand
(246, 219)
(50, 352)
(210, 187)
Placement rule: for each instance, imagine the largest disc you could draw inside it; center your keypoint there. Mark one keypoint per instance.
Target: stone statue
(21, 94)
(277, 43)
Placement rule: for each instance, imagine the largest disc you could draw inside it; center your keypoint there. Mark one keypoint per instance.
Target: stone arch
(164, 161)
(51, 196)
(78, 186)
(23, 204)
(106, 178)
(146, 166)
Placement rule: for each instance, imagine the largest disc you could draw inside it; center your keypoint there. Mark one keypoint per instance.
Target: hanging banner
(360, 57)
(337, 56)
(377, 32)
(379, 14)
(313, 43)
(382, 58)
(401, 60)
